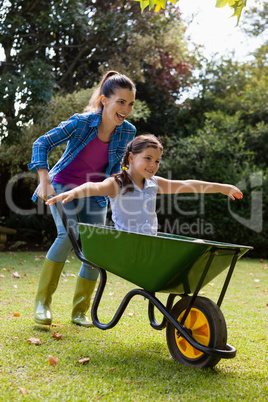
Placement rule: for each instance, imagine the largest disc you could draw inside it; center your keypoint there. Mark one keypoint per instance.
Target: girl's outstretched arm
(107, 187)
(166, 186)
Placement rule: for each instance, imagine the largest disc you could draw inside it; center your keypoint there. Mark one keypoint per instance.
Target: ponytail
(122, 178)
(110, 82)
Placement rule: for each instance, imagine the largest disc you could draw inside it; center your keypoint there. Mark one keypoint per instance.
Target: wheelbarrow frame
(154, 302)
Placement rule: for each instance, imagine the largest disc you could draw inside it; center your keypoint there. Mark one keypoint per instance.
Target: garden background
(212, 115)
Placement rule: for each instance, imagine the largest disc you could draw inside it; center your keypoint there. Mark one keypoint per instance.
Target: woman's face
(118, 106)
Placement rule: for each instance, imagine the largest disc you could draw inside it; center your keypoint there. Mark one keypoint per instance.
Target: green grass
(131, 362)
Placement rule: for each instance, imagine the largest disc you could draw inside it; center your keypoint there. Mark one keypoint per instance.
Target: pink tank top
(89, 165)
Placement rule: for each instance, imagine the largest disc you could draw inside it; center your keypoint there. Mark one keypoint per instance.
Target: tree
(224, 138)
(66, 45)
(256, 19)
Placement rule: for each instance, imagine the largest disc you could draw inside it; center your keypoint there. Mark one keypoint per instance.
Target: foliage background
(56, 52)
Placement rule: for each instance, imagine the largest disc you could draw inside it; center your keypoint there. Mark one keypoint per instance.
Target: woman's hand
(45, 188)
(64, 197)
(232, 191)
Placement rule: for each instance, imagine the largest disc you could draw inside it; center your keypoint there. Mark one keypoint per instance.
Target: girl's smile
(145, 164)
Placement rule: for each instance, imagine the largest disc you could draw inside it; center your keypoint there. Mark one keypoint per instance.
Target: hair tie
(124, 168)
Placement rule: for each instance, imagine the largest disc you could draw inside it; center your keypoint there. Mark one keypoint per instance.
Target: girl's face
(118, 106)
(145, 164)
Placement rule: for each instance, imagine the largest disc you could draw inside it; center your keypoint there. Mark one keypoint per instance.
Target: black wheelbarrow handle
(71, 234)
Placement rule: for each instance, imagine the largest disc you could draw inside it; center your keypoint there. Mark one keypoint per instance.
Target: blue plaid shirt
(78, 131)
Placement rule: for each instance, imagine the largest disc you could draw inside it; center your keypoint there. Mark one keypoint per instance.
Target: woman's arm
(44, 144)
(166, 186)
(44, 188)
(107, 187)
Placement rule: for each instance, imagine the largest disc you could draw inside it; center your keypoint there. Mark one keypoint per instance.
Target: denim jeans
(84, 210)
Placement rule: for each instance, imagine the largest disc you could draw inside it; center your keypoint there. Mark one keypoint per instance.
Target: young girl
(96, 142)
(133, 192)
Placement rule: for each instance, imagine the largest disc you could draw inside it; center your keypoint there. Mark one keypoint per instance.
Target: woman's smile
(117, 107)
(120, 116)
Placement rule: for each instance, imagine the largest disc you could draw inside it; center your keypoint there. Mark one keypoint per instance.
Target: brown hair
(136, 146)
(110, 82)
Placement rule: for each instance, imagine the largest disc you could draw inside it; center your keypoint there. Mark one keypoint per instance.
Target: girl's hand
(64, 197)
(232, 192)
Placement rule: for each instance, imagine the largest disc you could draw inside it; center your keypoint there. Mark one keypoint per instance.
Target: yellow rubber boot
(81, 301)
(48, 283)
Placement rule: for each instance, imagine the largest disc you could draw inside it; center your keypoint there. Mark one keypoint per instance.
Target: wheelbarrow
(180, 266)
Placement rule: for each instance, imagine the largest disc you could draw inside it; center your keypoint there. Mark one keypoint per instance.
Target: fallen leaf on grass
(85, 360)
(2, 276)
(15, 275)
(35, 341)
(99, 398)
(23, 391)
(53, 360)
(56, 335)
(16, 314)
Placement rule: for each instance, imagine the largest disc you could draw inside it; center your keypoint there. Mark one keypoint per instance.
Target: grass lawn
(130, 362)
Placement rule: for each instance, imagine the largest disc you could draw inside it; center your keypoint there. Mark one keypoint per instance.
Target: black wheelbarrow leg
(228, 278)
(151, 313)
(199, 285)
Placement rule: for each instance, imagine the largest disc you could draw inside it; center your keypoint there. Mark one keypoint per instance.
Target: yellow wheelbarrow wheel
(205, 323)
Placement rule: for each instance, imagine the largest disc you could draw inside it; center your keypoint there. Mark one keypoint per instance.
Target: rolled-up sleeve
(44, 144)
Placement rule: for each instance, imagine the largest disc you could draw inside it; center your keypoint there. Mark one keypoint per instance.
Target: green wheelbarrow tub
(164, 263)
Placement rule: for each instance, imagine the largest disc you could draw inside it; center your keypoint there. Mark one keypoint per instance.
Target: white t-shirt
(135, 212)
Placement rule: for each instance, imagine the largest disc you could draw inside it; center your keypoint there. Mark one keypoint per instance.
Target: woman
(96, 142)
